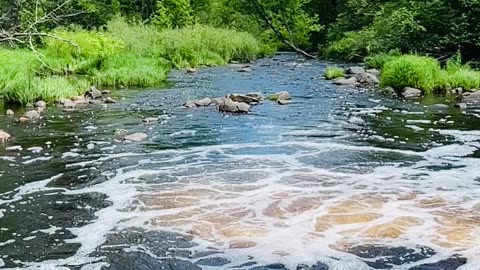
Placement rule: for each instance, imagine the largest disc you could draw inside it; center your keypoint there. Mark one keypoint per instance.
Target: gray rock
(343, 81)
(198, 103)
(32, 115)
(24, 119)
(4, 136)
(109, 100)
(150, 120)
(284, 95)
(29, 106)
(355, 70)
(283, 101)
(472, 97)
(389, 90)
(374, 72)
(409, 92)
(462, 106)
(68, 104)
(69, 110)
(93, 93)
(10, 113)
(40, 104)
(120, 134)
(367, 78)
(458, 90)
(228, 105)
(80, 102)
(136, 137)
(244, 98)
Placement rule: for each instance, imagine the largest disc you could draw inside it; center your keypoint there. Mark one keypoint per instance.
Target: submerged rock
(10, 113)
(355, 70)
(472, 97)
(228, 105)
(4, 136)
(198, 103)
(245, 70)
(409, 92)
(40, 104)
(32, 115)
(93, 93)
(462, 106)
(136, 137)
(343, 81)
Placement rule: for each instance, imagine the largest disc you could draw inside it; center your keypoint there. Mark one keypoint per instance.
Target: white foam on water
(280, 208)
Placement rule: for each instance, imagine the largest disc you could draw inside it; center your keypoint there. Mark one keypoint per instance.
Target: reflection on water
(286, 187)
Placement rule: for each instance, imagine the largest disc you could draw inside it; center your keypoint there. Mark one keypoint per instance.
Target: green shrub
(334, 73)
(420, 72)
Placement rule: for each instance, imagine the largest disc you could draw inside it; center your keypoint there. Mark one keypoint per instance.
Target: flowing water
(338, 179)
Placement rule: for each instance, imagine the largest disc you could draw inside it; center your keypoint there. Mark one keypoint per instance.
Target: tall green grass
(420, 72)
(425, 73)
(125, 54)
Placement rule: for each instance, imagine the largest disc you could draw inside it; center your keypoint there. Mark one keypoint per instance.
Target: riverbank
(124, 55)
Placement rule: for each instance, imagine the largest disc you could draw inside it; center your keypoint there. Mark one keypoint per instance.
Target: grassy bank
(123, 54)
(426, 74)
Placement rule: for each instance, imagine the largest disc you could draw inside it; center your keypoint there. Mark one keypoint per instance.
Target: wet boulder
(136, 137)
(230, 106)
(198, 103)
(367, 78)
(284, 95)
(472, 97)
(245, 70)
(374, 72)
(40, 104)
(10, 113)
(191, 71)
(4, 136)
(93, 93)
(349, 81)
(355, 70)
(256, 95)
(120, 134)
(32, 115)
(409, 92)
(461, 106)
(109, 100)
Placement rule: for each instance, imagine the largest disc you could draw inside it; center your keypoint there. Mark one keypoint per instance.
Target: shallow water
(338, 179)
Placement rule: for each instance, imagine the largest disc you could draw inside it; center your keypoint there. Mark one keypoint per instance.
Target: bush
(334, 73)
(420, 72)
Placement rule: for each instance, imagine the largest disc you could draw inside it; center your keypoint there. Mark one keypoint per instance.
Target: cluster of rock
(357, 76)
(238, 103)
(91, 97)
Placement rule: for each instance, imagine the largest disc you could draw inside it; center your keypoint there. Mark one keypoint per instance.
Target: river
(339, 178)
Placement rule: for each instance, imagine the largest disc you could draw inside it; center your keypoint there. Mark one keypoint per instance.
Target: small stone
(29, 105)
(198, 103)
(109, 100)
(32, 115)
(10, 113)
(120, 134)
(24, 119)
(283, 102)
(440, 106)
(136, 137)
(343, 81)
(284, 95)
(228, 105)
(69, 110)
(388, 90)
(105, 92)
(462, 106)
(4, 136)
(244, 98)
(40, 104)
(256, 95)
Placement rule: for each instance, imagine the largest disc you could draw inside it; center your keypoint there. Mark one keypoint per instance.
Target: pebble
(40, 104)
(10, 113)
(4, 136)
(109, 100)
(136, 137)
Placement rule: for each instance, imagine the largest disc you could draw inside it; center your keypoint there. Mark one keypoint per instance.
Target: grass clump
(334, 73)
(460, 75)
(420, 72)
